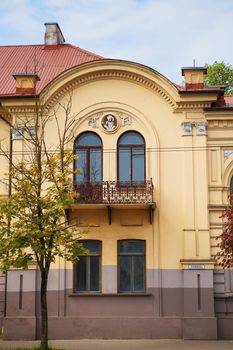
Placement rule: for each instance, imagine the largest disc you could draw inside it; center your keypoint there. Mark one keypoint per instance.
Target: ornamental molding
(227, 154)
(180, 106)
(111, 74)
(188, 128)
(109, 121)
(25, 110)
(220, 124)
(201, 127)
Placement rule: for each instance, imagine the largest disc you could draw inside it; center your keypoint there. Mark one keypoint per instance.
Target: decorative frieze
(112, 74)
(109, 121)
(220, 124)
(180, 106)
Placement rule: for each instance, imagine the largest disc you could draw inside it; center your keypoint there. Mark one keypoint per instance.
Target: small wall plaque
(196, 267)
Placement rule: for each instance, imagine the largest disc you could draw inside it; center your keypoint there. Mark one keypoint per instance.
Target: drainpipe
(9, 195)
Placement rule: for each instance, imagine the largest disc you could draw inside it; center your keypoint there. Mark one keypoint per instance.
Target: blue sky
(163, 34)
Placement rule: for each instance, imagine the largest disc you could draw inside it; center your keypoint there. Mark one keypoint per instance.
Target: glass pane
(125, 272)
(81, 281)
(124, 164)
(95, 165)
(138, 269)
(131, 138)
(138, 165)
(92, 246)
(132, 247)
(94, 273)
(81, 164)
(88, 139)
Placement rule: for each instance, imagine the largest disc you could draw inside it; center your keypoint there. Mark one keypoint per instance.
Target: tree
(220, 73)
(34, 223)
(225, 255)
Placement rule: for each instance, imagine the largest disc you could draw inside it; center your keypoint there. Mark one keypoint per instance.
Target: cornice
(110, 74)
(181, 106)
(23, 110)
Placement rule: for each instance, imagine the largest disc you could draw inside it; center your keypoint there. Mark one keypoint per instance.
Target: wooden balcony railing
(114, 192)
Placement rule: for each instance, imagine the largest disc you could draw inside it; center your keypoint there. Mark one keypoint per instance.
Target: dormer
(194, 77)
(25, 83)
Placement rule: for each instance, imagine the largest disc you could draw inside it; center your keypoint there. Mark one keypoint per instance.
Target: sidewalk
(123, 344)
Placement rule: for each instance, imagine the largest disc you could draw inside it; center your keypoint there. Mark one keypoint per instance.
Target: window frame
(118, 267)
(75, 291)
(88, 149)
(131, 182)
(231, 186)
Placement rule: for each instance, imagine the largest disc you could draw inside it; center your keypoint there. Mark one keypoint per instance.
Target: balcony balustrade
(114, 192)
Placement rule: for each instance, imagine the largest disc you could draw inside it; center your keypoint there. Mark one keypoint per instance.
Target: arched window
(88, 147)
(131, 158)
(131, 265)
(231, 186)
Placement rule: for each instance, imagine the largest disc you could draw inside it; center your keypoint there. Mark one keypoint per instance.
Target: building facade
(156, 164)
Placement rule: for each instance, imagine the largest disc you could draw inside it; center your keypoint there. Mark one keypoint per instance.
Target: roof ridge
(23, 45)
(86, 51)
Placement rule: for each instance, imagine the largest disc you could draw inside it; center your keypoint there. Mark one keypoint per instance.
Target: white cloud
(164, 34)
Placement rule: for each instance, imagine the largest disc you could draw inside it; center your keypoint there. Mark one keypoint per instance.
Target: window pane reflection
(124, 164)
(95, 165)
(88, 147)
(81, 164)
(131, 266)
(131, 158)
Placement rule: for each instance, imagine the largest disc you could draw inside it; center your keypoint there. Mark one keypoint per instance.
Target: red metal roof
(47, 61)
(224, 102)
(228, 101)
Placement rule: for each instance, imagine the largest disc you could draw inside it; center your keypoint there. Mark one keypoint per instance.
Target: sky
(163, 34)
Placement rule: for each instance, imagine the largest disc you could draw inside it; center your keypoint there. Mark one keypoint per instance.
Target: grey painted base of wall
(113, 328)
(225, 328)
(19, 328)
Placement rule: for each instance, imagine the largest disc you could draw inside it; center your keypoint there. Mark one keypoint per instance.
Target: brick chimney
(53, 34)
(194, 77)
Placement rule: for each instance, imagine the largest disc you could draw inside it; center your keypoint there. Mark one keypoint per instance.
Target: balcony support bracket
(109, 214)
(151, 214)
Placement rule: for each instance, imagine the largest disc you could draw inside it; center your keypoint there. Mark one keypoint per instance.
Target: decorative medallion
(109, 122)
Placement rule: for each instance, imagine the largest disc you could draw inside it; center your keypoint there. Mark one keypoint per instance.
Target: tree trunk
(44, 310)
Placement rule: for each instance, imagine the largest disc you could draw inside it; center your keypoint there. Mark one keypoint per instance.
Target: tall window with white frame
(131, 266)
(88, 269)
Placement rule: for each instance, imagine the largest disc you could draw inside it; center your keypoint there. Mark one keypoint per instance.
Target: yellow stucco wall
(190, 176)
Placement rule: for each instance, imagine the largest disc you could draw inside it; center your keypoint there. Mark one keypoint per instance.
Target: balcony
(115, 192)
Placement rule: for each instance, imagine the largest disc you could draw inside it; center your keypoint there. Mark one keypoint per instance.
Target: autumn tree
(225, 241)
(34, 223)
(220, 73)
